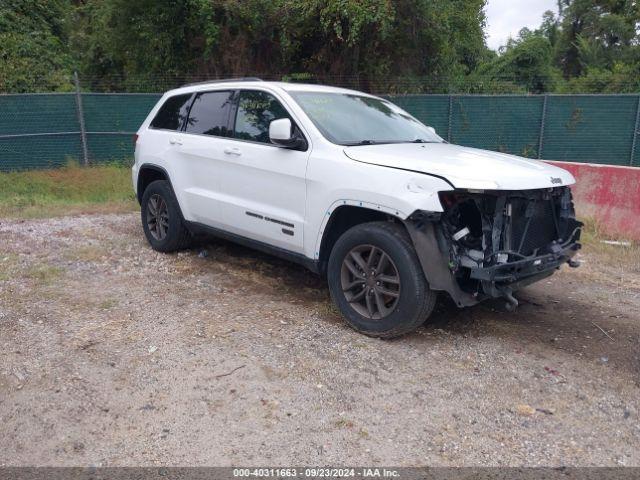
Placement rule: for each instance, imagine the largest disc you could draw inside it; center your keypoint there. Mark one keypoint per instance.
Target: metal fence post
(542, 122)
(634, 143)
(450, 118)
(83, 130)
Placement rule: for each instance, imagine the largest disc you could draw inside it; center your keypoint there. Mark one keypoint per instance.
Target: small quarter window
(210, 113)
(172, 113)
(256, 110)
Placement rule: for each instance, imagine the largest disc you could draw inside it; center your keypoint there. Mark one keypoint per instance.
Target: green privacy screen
(44, 130)
(597, 129)
(432, 110)
(573, 128)
(111, 121)
(38, 131)
(481, 122)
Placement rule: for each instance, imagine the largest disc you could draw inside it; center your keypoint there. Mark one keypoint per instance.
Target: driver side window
(256, 110)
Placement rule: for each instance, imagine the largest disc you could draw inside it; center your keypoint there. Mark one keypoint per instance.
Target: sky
(506, 17)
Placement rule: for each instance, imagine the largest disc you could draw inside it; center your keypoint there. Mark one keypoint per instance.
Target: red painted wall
(609, 194)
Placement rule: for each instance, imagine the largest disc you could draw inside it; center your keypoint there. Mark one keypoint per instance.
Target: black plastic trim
(280, 222)
(269, 219)
(157, 168)
(200, 229)
(255, 215)
(521, 269)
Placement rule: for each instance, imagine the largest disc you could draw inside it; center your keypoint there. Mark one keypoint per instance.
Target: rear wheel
(376, 280)
(161, 218)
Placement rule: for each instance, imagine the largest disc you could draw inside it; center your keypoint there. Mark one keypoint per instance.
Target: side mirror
(281, 134)
(432, 130)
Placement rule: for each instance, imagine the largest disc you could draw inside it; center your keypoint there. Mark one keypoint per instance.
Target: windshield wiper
(361, 142)
(374, 142)
(367, 142)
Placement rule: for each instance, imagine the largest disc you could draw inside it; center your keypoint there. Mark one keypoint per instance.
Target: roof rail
(226, 80)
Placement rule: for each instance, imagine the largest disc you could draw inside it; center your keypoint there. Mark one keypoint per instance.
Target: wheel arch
(148, 173)
(344, 216)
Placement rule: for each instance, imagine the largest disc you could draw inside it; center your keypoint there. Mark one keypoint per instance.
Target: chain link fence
(47, 130)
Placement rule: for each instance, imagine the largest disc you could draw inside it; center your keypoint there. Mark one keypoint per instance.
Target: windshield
(348, 119)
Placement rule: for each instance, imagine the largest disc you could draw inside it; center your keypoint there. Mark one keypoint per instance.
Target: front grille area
(532, 224)
(495, 241)
(498, 227)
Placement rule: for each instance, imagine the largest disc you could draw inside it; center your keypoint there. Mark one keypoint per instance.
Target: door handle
(232, 151)
(175, 141)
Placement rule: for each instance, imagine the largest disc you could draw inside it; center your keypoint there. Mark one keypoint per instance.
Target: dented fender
(434, 259)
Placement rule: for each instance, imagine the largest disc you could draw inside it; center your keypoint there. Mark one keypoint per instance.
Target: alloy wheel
(157, 217)
(370, 281)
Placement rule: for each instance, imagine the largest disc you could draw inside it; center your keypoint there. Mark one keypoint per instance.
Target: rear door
(160, 142)
(201, 156)
(263, 186)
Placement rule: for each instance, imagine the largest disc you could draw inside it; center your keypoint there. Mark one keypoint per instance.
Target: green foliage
(71, 189)
(525, 65)
(360, 41)
(622, 78)
(390, 46)
(34, 54)
(591, 46)
(595, 33)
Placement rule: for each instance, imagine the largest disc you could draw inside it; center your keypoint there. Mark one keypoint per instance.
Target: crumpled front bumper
(516, 271)
(493, 281)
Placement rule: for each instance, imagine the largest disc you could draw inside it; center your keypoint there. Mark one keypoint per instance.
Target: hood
(463, 167)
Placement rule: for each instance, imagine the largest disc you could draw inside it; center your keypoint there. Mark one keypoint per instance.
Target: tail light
(135, 140)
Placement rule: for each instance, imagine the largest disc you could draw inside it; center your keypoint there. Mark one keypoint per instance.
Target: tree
(596, 33)
(384, 46)
(524, 65)
(361, 43)
(34, 51)
(589, 46)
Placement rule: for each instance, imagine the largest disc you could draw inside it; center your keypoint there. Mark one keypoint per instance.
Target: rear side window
(173, 113)
(256, 110)
(210, 114)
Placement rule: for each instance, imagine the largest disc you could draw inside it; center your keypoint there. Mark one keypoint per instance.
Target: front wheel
(376, 280)
(161, 218)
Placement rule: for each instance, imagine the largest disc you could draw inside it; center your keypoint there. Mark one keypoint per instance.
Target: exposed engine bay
(494, 242)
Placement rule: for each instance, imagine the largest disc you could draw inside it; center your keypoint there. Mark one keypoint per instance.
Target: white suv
(354, 188)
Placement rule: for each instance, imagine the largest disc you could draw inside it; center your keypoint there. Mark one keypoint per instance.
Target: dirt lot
(112, 354)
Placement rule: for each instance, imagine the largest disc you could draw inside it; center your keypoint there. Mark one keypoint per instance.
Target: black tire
(414, 300)
(176, 236)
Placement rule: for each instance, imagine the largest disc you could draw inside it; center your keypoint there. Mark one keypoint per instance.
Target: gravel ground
(112, 354)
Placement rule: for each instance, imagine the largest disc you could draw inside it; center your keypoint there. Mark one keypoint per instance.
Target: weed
(68, 190)
(44, 274)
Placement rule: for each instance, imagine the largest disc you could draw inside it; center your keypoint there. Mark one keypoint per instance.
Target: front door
(263, 186)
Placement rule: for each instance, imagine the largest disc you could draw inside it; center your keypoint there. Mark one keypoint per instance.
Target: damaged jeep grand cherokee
(355, 189)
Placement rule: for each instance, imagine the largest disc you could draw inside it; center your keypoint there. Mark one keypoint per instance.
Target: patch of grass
(108, 304)
(69, 190)
(8, 264)
(86, 253)
(44, 274)
(624, 258)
